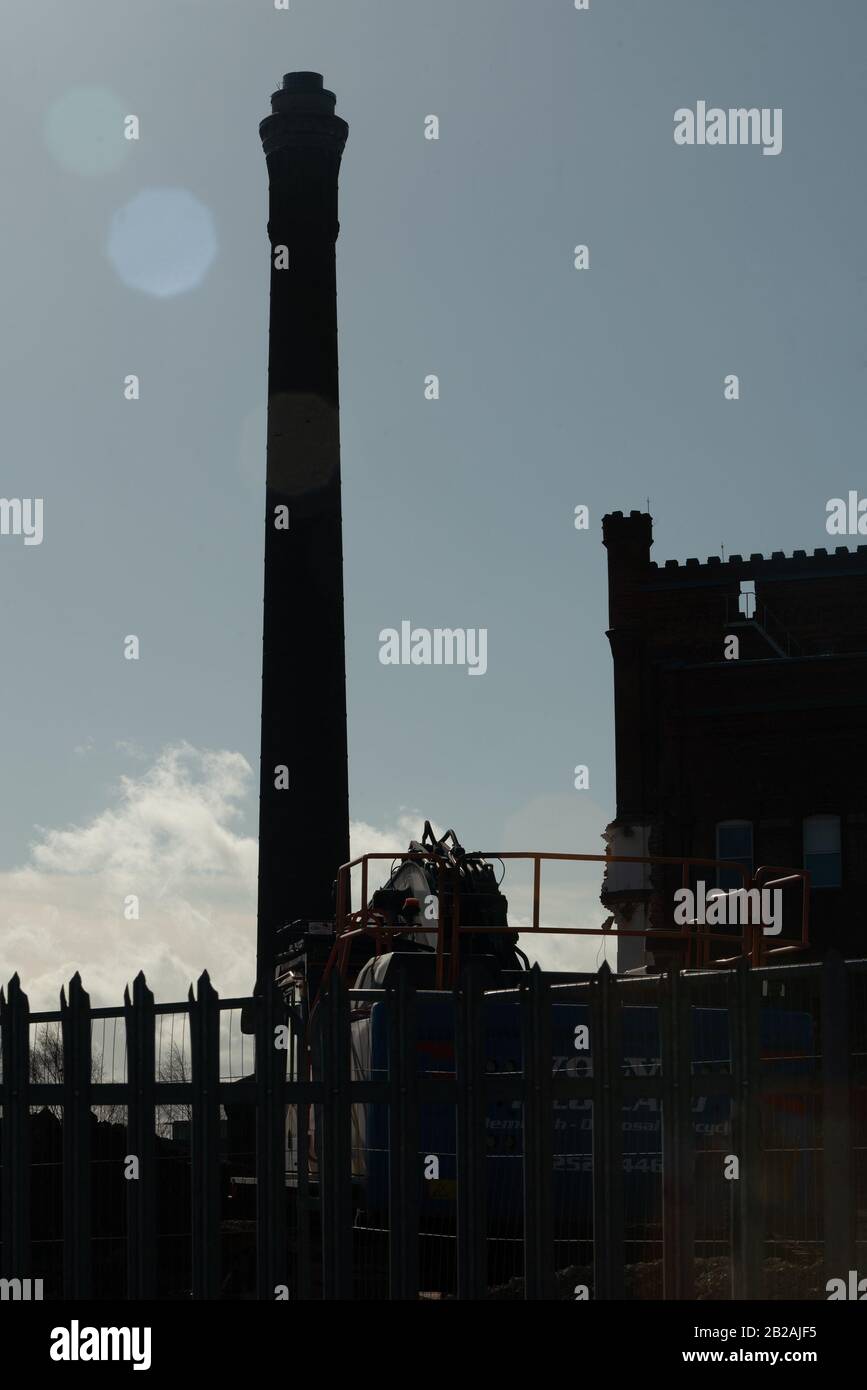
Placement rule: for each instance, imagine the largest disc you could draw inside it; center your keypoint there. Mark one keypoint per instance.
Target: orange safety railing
(697, 937)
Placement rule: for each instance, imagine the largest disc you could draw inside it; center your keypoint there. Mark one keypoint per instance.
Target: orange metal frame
(697, 936)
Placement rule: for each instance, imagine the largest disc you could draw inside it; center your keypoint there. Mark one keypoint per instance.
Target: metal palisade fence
(689, 1135)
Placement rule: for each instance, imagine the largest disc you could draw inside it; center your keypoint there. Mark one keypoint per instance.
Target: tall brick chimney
(628, 540)
(304, 824)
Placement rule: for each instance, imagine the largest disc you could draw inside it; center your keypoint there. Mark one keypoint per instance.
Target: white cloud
(366, 839)
(569, 896)
(170, 838)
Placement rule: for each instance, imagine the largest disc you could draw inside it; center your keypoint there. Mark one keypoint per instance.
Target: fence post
(336, 1166)
(748, 1226)
(678, 1139)
(837, 1191)
(271, 1253)
(141, 1247)
(606, 1051)
(77, 1253)
(538, 1142)
(470, 1028)
(205, 1131)
(15, 1153)
(302, 1125)
(403, 1146)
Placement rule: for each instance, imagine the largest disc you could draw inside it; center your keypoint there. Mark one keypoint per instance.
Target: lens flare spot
(162, 242)
(84, 131)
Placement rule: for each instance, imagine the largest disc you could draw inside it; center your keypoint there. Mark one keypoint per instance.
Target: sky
(558, 387)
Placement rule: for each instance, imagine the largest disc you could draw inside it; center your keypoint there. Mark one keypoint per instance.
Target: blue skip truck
(785, 1035)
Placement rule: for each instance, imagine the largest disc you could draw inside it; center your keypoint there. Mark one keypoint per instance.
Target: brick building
(759, 757)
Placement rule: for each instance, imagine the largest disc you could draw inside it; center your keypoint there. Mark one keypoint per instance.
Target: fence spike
(337, 1147)
(470, 1026)
(840, 1223)
(141, 1117)
(270, 1131)
(403, 1141)
(538, 1114)
(15, 1132)
(140, 991)
(746, 1196)
(77, 1135)
(205, 1174)
(608, 1217)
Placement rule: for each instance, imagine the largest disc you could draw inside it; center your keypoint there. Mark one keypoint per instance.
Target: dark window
(734, 841)
(822, 851)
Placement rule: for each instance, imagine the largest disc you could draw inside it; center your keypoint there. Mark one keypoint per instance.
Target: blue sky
(558, 387)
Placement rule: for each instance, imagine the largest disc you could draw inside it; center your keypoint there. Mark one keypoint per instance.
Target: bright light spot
(162, 241)
(84, 131)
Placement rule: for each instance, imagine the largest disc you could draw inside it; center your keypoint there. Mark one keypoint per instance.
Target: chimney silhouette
(304, 811)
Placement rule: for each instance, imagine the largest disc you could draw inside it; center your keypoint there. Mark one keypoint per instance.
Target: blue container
(786, 1035)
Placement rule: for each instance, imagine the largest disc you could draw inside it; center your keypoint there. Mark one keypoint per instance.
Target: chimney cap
(302, 82)
(302, 113)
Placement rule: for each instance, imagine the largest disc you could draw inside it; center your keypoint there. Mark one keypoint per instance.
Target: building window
(747, 598)
(734, 841)
(822, 851)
